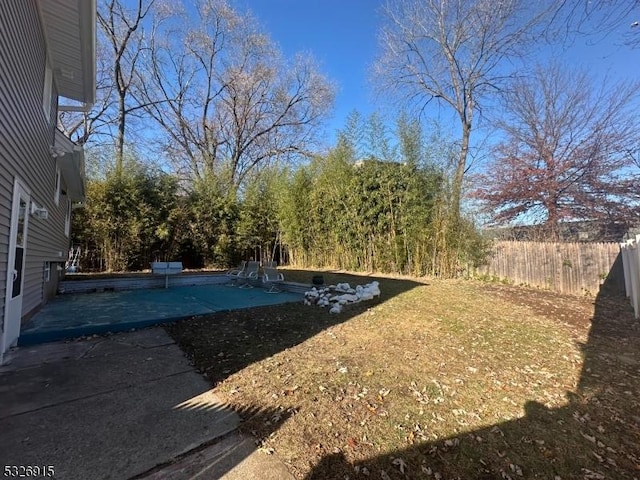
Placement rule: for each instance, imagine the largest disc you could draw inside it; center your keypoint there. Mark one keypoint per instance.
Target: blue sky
(343, 36)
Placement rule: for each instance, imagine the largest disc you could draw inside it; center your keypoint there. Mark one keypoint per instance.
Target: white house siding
(25, 138)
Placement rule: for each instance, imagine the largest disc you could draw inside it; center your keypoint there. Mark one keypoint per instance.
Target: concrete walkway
(118, 407)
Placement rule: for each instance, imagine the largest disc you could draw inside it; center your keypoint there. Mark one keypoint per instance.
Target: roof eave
(69, 27)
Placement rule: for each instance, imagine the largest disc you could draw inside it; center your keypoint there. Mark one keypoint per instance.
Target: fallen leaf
(591, 438)
(362, 470)
(516, 469)
(290, 391)
(452, 442)
(591, 475)
(400, 463)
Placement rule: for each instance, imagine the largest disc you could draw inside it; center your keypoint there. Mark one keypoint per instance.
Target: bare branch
(454, 52)
(225, 98)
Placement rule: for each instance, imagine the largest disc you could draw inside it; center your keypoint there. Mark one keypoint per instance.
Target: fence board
(631, 267)
(575, 268)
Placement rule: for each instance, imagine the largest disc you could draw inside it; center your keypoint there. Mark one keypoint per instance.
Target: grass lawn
(436, 380)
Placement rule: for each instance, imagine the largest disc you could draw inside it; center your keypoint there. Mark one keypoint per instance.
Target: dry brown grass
(445, 379)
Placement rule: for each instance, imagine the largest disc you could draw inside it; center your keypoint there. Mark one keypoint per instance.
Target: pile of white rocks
(336, 296)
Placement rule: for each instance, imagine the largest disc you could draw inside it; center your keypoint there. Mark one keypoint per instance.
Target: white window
(47, 271)
(46, 94)
(56, 193)
(67, 219)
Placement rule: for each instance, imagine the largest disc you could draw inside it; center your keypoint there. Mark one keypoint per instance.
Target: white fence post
(631, 265)
(635, 268)
(635, 275)
(624, 252)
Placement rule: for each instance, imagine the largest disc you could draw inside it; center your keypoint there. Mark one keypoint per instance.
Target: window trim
(47, 272)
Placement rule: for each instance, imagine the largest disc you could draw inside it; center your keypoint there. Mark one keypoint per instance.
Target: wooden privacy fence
(576, 268)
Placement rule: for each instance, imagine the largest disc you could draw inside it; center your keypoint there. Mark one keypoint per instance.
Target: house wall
(26, 134)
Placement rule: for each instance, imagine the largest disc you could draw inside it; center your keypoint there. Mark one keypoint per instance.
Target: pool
(76, 315)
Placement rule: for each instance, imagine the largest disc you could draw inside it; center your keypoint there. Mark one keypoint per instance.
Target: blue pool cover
(76, 315)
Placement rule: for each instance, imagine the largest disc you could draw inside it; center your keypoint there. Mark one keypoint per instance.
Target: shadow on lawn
(595, 436)
(229, 341)
(224, 343)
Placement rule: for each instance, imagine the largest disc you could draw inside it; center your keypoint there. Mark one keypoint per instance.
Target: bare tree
(124, 34)
(121, 42)
(565, 155)
(225, 97)
(454, 52)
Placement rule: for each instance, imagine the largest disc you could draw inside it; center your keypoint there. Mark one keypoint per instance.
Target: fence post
(634, 274)
(624, 252)
(630, 252)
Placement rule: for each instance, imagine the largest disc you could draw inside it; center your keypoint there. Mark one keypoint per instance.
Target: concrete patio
(118, 407)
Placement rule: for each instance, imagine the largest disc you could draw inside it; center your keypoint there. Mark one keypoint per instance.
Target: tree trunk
(461, 166)
(120, 137)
